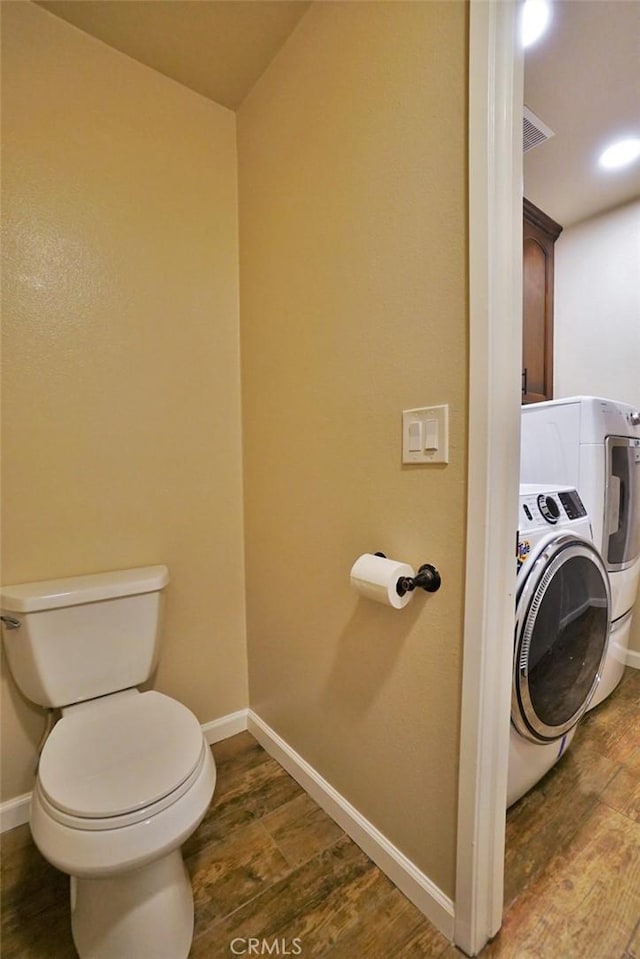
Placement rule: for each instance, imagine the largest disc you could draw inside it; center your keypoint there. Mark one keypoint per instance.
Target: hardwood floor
(268, 864)
(572, 868)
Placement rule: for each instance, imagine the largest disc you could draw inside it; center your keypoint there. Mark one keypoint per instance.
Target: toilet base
(146, 913)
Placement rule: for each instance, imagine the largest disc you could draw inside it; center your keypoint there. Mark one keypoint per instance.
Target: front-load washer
(593, 444)
(562, 620)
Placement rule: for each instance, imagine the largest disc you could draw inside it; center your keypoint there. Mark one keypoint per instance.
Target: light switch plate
(434, 433)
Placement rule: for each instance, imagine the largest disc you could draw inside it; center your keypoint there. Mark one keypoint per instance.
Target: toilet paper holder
(427, 578)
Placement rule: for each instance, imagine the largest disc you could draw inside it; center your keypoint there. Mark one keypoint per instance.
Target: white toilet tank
(68, 640)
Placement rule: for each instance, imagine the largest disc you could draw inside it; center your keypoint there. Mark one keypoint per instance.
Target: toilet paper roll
(375, 577)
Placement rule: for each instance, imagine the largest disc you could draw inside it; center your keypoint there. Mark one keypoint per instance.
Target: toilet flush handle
(11, 622)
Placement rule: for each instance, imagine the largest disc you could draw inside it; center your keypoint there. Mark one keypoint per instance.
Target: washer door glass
(562, 630)
(621, 541)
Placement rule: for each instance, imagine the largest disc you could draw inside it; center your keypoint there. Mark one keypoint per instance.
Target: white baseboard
(633, 658)
(416, 886)
(14, 812)
(226, 726)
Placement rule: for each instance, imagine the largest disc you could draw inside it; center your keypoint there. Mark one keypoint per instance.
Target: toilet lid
(119, 755)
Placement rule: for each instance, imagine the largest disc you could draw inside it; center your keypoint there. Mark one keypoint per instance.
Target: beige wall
(352, 157)
(596, 276)
(122, 432)
(121, 441)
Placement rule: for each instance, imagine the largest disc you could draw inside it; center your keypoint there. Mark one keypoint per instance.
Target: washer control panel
(555, 508)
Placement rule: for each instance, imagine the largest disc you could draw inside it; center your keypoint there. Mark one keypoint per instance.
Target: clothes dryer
(562, 620)
(593, 444)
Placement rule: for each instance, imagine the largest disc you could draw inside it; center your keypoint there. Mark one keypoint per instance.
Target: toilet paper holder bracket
(427, 578)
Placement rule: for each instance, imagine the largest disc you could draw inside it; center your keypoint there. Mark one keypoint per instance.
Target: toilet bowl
(125, 777)
(122, 783)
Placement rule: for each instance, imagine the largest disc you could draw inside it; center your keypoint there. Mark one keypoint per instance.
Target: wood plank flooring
(268, 864)
(572, 868)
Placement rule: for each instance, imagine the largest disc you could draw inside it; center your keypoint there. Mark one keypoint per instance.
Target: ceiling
(218, 48)
(582, 79)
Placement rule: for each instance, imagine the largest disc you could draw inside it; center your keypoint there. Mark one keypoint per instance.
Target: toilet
(125, 776)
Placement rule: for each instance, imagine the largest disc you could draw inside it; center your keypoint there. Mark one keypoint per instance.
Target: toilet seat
(119, 760)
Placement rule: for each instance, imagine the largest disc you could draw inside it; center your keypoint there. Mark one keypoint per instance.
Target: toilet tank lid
(74, 590)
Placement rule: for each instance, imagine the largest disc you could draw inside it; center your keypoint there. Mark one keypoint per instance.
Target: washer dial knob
(549, 508)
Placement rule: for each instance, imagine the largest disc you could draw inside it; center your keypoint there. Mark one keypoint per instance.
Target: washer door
(621, 539)
(563, 614)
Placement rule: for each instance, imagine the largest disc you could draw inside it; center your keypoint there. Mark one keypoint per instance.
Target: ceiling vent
(534, 131)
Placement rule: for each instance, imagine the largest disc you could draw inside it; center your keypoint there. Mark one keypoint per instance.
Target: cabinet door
(539, 236)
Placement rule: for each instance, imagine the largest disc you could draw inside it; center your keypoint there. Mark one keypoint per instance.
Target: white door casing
(495, 324)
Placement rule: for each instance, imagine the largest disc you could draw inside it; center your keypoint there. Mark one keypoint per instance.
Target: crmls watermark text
(251, 946)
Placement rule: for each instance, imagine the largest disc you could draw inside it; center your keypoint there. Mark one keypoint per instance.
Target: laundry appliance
(562, 620)
(593, 444)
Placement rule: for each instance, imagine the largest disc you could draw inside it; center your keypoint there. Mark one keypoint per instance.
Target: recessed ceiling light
(536, 15)
(620, 154)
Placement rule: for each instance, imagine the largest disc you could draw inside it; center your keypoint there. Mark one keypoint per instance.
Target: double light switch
(425, 435)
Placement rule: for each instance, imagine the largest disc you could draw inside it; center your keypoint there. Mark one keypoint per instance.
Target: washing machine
(562, 620)
(593, 444)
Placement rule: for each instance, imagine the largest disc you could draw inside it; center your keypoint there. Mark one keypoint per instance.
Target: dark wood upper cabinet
(540, 233)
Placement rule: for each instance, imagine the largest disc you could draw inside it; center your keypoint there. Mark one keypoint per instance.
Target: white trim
(633, 658)
(225, 727)
(495, 292)
(14, 812)
(417, 886)
(402, 871)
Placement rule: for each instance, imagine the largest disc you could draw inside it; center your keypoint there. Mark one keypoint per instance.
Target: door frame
(495, 351)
